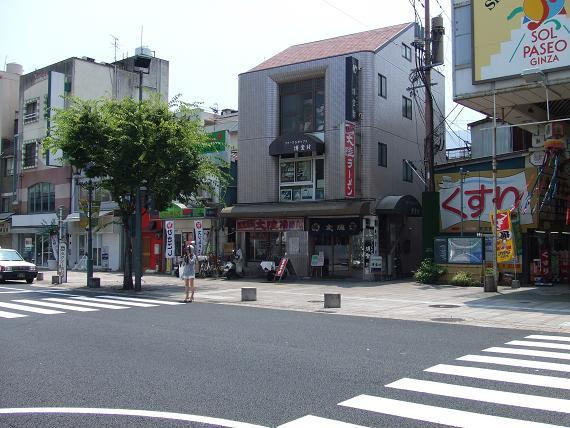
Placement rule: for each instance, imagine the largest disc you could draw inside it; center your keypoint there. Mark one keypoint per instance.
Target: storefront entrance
(36, 248)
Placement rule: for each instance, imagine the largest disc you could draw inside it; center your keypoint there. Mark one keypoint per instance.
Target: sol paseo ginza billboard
(510, 36)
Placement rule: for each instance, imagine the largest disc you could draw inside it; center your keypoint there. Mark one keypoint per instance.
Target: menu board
(440, 250)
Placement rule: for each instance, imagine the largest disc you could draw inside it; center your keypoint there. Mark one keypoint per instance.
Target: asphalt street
(107, 360)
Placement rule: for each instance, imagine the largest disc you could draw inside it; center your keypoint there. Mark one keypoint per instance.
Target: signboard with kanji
(349, 160)
(505, 243)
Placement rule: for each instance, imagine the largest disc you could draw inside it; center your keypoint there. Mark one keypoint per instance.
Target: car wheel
(29, 280)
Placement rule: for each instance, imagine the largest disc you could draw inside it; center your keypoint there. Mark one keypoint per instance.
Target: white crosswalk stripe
(454, 384)
(29, 309)
(66, 302)
(501, 376)
(118, 302)
(543, 337)
(482, 394)
(56, 305)
(438, 415)
(4, 314)
(515, 362)
(93, 304)
(528, 352)
(538, 344)
(137, 299)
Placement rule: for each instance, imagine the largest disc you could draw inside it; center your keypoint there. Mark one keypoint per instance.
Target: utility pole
(428, 147)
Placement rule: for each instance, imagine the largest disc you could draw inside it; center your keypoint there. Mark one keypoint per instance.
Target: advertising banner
(505, 243)
(349, 160)
(199, 233)
(169, 252)
(269, 224)
(478, 198)
(510, 36)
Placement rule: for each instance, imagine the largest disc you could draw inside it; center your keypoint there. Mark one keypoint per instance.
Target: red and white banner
(269, 224)
(169, 252)
(199, 233)
(349, 160)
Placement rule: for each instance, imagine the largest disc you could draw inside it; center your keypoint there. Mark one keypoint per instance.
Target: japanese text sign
(169, 228)
(505, 245)
(349, 160)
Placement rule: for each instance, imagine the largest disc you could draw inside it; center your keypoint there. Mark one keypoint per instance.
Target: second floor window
(31, 111)
(29, 154)
(301, 179)
(406, 52)
(382, 155)
(41, 198)
(302, 106)
(408, 174)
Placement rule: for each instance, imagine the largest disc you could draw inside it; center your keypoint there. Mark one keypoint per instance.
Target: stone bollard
(55, 279)
(248, 294)
(94, 283)
(40, 276)
(515, 284)
(332, 300)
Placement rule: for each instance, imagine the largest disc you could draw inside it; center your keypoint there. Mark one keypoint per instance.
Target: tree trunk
(128, 260)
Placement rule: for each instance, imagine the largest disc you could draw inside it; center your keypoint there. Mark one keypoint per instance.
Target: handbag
(181, 269)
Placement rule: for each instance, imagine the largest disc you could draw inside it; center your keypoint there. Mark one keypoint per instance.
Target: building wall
(382, 121)
(9, 102)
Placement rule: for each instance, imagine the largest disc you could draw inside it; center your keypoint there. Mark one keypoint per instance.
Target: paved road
(201, 364)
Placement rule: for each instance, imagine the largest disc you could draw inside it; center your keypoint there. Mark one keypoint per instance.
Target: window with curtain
(41, 198)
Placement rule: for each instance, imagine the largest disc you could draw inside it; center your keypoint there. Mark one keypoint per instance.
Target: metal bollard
(332, 300)
(248, 294)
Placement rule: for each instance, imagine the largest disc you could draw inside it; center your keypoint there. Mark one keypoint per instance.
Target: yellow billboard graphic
(510, 36)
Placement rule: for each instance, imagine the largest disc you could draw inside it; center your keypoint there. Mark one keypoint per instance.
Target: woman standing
(189, 271)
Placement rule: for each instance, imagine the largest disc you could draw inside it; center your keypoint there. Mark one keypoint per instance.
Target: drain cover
(448, 319)
(315, 301)
(444, 306)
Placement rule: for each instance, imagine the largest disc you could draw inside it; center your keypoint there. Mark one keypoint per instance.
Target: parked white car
(13, 266)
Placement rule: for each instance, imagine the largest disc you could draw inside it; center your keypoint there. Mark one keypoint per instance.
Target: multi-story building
(329, 136)
(43, 183)
(518, 75)
(9, 106)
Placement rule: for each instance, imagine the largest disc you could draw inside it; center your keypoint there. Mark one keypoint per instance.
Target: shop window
(41, 198)
(31, 111)
(302, 106)
(382, 89)
(301, 179)
(6, 205)
(265, 245)
(406, 107)
(382, 155)
(29, 155)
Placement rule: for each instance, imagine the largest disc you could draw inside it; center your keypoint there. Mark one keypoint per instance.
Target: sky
(207, 43)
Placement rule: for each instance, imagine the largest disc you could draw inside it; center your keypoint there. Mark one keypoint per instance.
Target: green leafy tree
(129, 144)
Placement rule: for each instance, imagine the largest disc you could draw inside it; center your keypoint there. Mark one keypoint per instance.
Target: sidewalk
(536, 308)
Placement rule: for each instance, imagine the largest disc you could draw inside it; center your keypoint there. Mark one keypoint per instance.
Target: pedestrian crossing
(527, 378)
(21, 308)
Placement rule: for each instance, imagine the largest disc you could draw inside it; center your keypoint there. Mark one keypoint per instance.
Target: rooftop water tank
(143, 50)
(14, 68)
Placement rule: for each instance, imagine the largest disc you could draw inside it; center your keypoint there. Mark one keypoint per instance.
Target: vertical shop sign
(199, 233)
(349, 161)
(505, 244)
(351, 113)
(169, 228)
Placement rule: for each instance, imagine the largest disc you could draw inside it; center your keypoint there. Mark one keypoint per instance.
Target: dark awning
(405, 205)
(299, 209)
(296, 143)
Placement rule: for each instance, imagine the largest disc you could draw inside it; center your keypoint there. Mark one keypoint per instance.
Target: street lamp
(89, 185)
(142, 64)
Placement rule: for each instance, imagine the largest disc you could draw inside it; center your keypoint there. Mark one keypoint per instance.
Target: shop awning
(405, 205)
(75, 216)
(296, 143)
(299, 209)
(4, 217)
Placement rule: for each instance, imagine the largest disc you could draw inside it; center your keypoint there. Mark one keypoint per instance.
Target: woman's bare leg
(192, 288)
(186, 285)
